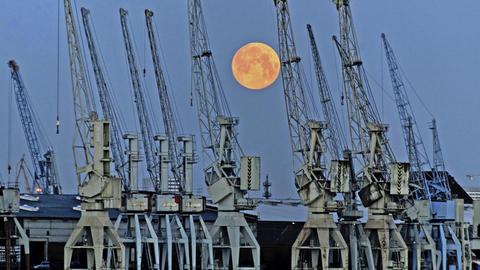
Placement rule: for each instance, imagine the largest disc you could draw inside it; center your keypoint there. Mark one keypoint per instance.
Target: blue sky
(435, 41)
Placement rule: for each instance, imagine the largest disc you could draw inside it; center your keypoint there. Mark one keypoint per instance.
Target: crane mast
(44, 166)
(385, 180)
(227, 181)
(91, 149)
(307, 142)
(142, 111)
(110, 113)
(165, 104)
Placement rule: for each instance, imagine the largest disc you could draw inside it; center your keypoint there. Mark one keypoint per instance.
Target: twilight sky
(435, 41)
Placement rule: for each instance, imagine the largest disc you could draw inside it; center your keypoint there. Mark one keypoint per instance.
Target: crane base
(227, 234)
(94, 234)
(200, 242)
(12, 236)
(320, 245)
(388, 247)
(422, 248)
(137, 238)
(360, 255)
(449, 247)
(171, 233)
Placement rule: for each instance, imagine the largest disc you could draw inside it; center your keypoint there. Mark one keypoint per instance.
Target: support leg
(138, 243)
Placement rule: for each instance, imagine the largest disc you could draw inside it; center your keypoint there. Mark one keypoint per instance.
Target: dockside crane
(449, 226)
(136, 204)
(385, 181)
(181, 155)
(314, 245)
(228, 174)
(434, 196)
(167, 205)
(45, 177)
(98, 190)
(13, 234)
(360, 251)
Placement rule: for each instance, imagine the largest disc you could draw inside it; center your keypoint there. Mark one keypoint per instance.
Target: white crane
(227, 175)
(97, 188)
(314, 245)
(385, 181)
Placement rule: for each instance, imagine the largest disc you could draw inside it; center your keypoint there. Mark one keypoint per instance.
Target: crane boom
(417, 153)
(439, 170)
(298, 110)
(364, 119)
(142, 112)
(110, 112)
(335, 137)
(306, 136)
(334, 133)
(165, 104)
(83, 102)
(211, 103)
(42, 156)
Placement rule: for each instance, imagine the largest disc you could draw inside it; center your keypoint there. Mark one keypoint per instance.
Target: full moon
(255, 66)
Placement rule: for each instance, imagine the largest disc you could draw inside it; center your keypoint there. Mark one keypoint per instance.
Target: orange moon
(255, 66)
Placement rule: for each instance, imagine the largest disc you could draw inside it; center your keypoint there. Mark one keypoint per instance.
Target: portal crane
(135, 204)
(166, 206)
(98, 190)
(417, 230)
(320, 235)
(385, 181)
(182, 160)
(360, 247)
(42, 156)
(227, 182)
(428, 194)
(431, 202)
(449, 229)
